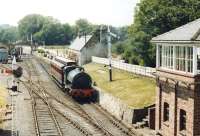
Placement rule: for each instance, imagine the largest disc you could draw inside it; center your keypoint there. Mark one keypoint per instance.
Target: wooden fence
(141, 70)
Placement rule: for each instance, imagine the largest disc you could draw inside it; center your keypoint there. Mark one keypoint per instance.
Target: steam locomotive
(72, 78)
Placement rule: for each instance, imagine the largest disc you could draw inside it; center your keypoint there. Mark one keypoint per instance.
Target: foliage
(50, 31)
(30, 24)
(40, 51)
(45, 30)
(82, 26)
(8, 34)
(154, 17)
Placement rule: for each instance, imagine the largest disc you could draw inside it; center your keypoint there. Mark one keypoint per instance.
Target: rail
(79, 110)
(34, 89)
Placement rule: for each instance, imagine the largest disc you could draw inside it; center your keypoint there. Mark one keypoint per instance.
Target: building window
(176, 57)
(182, 120)
(167, 57)
(189, 59)
(166, 112)
(184, 59)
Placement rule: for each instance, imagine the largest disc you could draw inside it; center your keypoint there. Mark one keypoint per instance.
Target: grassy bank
(136, 91)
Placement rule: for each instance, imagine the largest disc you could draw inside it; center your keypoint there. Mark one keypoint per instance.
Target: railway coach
(72, 78)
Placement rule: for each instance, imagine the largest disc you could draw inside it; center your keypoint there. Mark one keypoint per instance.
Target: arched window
(166, 112)
(182, 122)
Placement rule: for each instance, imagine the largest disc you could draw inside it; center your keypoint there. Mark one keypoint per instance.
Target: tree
(83, 26)
(53, 34)
(69, 33)
(30, 24)
(154, 17)
(45, 29)
(8, 34)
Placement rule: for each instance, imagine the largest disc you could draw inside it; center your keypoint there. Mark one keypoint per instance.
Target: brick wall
(179, 95)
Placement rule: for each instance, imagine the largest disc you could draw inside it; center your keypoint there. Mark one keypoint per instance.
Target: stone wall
(120, 110)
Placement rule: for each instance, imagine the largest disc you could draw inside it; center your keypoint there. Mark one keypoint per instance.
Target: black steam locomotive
(72, 78)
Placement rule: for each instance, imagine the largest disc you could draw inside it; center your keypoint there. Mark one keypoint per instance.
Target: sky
(110, 12)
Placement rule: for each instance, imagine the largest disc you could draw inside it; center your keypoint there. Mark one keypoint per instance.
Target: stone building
(178, 81)
(84, 47)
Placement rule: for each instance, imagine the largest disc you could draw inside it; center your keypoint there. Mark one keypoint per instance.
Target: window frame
(165, 112)
(176, 58)
(182, 120)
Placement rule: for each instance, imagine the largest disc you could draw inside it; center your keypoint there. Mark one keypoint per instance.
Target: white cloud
(115, 12)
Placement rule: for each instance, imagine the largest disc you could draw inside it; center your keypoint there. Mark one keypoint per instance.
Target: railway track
(44, 118)
(45, 112)
(110, 124)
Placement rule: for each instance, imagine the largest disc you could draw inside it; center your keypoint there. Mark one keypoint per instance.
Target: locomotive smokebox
(79, 79)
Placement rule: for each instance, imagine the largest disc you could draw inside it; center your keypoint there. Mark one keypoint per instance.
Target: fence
(145, 71)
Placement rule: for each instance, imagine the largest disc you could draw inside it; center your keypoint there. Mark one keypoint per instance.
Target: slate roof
(186, 33)
(80, 42)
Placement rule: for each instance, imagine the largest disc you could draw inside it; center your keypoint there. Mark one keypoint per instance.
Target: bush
(40, 51)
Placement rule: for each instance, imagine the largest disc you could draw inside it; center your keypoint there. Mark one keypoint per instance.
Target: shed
(84, 47)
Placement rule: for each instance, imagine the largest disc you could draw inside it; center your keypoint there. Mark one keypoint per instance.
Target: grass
(136, 91)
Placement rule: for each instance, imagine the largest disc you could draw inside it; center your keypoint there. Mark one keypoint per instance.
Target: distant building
(84, 47)
(178, 81)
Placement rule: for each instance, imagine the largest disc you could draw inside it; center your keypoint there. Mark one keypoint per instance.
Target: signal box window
(166, 112)
(182, 120)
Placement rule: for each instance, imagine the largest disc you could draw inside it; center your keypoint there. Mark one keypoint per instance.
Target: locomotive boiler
(72, 78)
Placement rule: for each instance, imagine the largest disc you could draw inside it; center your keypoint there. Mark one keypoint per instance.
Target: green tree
(82, 26)
(154, 17)
(45, 29)
(8, 35)
(69, 33)
(30, 24)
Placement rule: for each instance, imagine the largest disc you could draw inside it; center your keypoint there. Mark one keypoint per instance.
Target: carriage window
(182, 120)
(166, 112)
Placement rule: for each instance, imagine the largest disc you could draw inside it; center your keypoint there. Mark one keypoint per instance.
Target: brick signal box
(178, 81)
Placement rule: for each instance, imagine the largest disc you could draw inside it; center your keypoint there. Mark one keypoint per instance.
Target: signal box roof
(189, 33)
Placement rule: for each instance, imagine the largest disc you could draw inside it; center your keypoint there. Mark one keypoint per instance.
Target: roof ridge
(195, 36)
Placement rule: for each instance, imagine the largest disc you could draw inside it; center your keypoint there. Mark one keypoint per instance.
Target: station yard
(134, 90)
